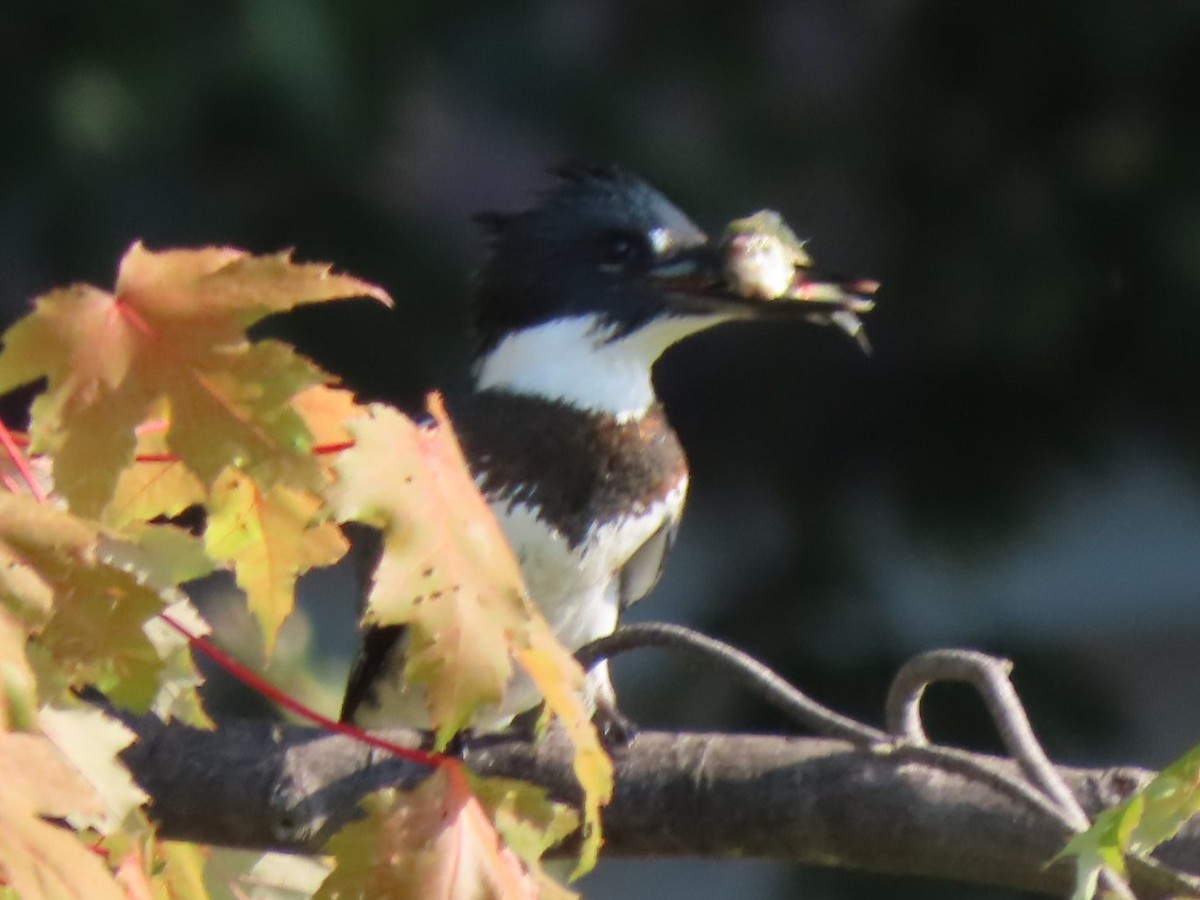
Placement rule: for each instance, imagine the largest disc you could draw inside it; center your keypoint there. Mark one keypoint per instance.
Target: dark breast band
(577, 468)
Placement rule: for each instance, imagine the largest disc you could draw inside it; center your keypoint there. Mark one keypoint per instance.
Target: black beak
(734, 282)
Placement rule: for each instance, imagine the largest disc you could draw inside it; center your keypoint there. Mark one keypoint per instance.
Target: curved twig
(748, 671)
(988, 675)
(764, 682)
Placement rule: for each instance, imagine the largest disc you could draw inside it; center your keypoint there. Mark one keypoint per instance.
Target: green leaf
(1170, 799)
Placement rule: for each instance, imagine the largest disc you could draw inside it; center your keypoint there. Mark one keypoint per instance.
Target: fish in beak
(760, 268)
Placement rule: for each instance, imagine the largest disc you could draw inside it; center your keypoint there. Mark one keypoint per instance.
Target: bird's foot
(616, 729)
(457, 746)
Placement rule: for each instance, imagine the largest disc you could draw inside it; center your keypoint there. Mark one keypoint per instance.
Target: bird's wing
(644, 567)
(379, 643)
(366, 549)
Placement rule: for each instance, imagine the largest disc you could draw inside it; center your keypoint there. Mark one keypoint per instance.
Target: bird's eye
(623, 250)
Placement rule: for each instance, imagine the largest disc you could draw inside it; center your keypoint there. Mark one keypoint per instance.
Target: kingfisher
(579, 296)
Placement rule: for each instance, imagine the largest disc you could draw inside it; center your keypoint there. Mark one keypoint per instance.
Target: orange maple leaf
(435, 842)
(448, 573)
(158, 485)
(37, 858)
(446, 570)
(171, 336)
(325, 411)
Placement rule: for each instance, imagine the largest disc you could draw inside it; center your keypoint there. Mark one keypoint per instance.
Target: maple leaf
(25, 523)
(15, 476)
(90, 740)
(446, 570)
(326, 411)
(132, 875)
(558, 676)
(175, 695)
(18, 689)
(157, 484)
(264, 876)
(1138, 825)
(94, 626)
(96, 635)
(152, 869)
(162, 557)
(433, 842)
(171, 337)
(529, 822)
(448, 573)
(180, 871)
(33, 776)
(270, 538)
(89, 597)
(39, 859)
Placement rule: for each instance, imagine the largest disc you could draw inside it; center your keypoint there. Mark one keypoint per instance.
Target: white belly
(576, 588)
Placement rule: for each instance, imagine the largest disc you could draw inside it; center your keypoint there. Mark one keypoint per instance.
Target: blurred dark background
(1014, 469)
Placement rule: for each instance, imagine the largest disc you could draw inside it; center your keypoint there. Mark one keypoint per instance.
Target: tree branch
(1038, 784)
(810, 800)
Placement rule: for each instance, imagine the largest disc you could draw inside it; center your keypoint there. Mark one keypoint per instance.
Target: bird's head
(582, 292)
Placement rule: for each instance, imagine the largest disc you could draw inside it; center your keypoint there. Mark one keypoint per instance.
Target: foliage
(156, 400)
(440, 841)
(1150, 817)
(448, 574)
